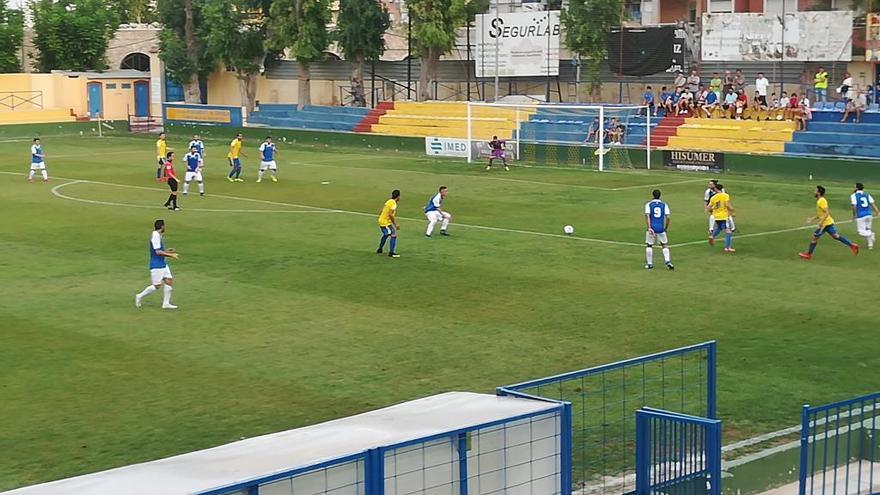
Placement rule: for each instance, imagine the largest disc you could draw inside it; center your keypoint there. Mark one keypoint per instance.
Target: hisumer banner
(520, 44)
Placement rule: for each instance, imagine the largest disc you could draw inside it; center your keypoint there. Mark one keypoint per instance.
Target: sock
(146, 292)
(393, 244)
(166, 295)
(382, 242)
(728, 240)
(159, 173)
(45, 175)
(812, 247)
(170, 197)
(201, 187)
(174, 200)
(185, 187)
(232, 173)
(844, 240)
(871, 240)
(260, 174)
(31, 175)
(274, 172)
(666, 256)
(649, 255)
(238, 172)
(430, 229)
(445, 223)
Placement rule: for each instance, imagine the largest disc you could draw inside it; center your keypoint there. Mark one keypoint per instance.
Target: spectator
(614, 131)
(739, 81)
(676, 98)
(845, 86)
(855, 104)
(666, 101)
(784, 102)
(775, 108)
(593, 132)
(693, 81)
(742, 101)
(729, 104)
(797, 114)
(820, 81)
(806, 110)
(715, 84)
(700, 101)
(728, 82)
(680, 82)
(711, 104)
(761, 85)
(871, 96)
(757, 106)
(648, 101)
(686, 103)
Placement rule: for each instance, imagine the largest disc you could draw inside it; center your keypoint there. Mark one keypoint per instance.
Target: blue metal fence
(840, 449)
(604, 400)
(677, 454)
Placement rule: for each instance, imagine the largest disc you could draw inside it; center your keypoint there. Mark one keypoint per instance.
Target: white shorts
(863, 224)
(650, 238)
(157, 275)
(38, 166)
(197, 175)
(270, 165)
(436, 216)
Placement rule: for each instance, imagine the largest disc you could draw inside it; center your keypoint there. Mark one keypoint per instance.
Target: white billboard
(807, 37)
(520, 44)
(437, 146)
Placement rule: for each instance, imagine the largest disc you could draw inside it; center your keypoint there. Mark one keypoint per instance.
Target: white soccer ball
(568, 229)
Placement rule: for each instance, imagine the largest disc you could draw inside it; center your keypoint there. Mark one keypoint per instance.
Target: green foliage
(136, 11)
(586, 26)
(11, 30)
(360, 29)
(301, 27)
(434, 23)
(235, 33)
(73, 34)
(181, 63)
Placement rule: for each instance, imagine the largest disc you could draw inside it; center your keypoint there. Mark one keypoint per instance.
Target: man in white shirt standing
(435, 213)
(761, 85)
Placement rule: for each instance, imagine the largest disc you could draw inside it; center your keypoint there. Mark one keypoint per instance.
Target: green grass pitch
(287, 316)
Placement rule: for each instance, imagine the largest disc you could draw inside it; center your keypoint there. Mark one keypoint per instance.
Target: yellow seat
(447, 119)
(740, 136)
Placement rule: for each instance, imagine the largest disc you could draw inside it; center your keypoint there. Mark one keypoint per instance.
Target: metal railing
(16, 99)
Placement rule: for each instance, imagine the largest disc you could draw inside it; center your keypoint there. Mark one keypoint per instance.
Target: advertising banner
(518, 44)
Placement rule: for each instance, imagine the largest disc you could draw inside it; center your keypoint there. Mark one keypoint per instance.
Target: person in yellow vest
(821, 85)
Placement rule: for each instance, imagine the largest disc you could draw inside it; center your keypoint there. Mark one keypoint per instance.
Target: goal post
(599, 137)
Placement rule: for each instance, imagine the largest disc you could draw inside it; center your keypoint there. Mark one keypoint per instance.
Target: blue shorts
(721, 224)
(235, 162)
(387, 230)
(831, 229)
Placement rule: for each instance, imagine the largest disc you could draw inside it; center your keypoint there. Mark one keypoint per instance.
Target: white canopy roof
(278, 452)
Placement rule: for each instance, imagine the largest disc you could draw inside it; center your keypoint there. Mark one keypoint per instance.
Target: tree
(433, 33)
(136, 11)
(235, 36)
(11, 30)
(360, 31)
(301, 27)
(587, 24)
(73, 34)
(186, 59)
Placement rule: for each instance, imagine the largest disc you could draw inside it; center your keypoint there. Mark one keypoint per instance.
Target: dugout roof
(265, 455)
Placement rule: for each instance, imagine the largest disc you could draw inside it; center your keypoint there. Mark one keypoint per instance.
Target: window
(111, 85)
(136, 61)
(126, 85)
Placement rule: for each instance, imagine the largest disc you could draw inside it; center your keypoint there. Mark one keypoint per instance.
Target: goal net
(583, 136)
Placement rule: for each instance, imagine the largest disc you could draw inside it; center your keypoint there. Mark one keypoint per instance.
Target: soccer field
(288, 317)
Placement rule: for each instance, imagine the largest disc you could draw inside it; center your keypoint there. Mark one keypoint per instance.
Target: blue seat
(840, 106)
(874, 107)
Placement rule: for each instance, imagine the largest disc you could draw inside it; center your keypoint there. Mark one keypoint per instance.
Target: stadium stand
(837, 139)
(740, 136)
(448, 120)
(569, 125)
(310, 117)
(36, 116)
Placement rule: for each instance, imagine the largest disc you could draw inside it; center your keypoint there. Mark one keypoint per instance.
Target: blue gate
(677, 454)
(96, 99)
(840, 449)
(141, 98)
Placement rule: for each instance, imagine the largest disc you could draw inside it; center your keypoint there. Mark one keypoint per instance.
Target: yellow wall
(61, 91)
(223, 90)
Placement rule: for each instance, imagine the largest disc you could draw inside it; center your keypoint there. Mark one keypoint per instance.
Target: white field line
(359, 213)
(758, 234)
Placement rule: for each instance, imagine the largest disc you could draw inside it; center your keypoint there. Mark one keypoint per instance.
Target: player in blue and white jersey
(194, 164)
(37, 162)
(160, 273)
(199, 146)
(268, 152)
(657, 222)
(706, 197)
(435, 213)
(863, 208)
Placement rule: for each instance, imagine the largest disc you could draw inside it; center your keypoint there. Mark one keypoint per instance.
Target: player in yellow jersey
(388, 224)
(161, 151)
(722, 211)
(825, 224)
(234, 161)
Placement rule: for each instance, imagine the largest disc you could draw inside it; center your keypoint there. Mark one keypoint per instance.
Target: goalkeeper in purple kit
(496, 150)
